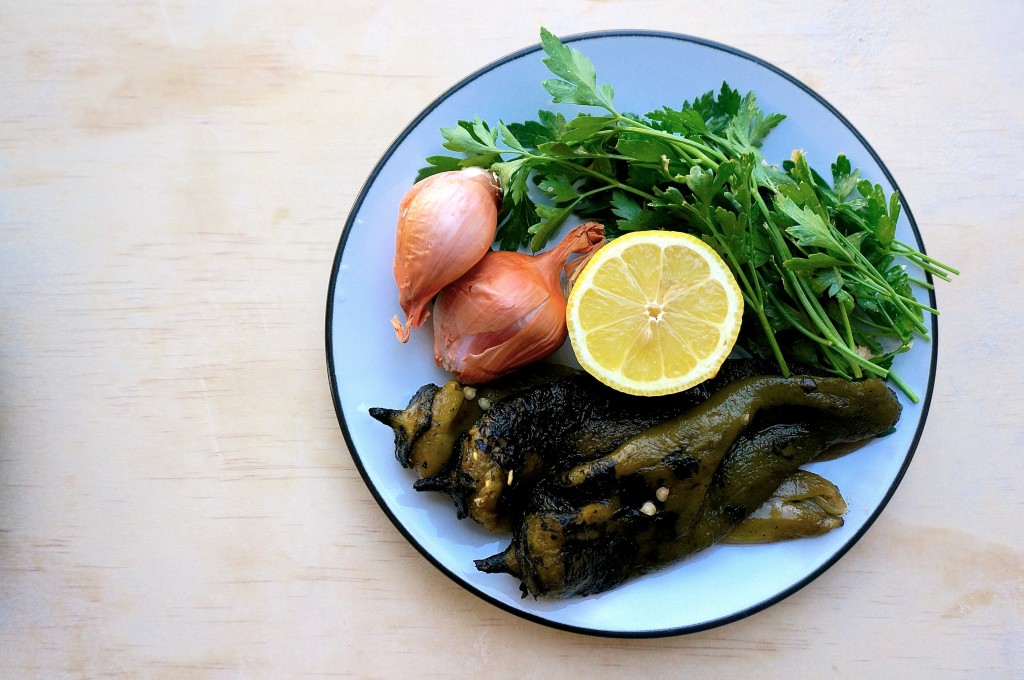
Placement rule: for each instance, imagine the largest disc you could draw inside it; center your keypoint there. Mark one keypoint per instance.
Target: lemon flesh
(654, 312)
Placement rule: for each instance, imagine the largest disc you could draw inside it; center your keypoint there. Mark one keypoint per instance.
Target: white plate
(369, 367)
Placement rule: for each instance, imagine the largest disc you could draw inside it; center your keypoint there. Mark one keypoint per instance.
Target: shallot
(509, 309)
(446, 223)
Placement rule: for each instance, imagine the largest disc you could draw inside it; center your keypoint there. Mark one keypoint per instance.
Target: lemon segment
(654, 312)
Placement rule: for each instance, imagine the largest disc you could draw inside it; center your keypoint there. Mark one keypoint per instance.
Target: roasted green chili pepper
(762, 460)
(644, 505)
(436, 418)
(805, 504)
(550, 427)
(408, 423)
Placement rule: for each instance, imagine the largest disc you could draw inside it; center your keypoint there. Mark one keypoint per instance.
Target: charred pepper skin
(604, 522)
(547, 428)
(763, 459)
(428, 430)
(408, 423)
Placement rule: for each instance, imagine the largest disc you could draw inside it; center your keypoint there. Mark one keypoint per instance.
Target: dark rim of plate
(332, 373)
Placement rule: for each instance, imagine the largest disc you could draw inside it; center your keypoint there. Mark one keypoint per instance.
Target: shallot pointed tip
(402, 332)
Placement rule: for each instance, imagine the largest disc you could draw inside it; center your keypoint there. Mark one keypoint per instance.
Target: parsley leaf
(578, 84)
(818, 260)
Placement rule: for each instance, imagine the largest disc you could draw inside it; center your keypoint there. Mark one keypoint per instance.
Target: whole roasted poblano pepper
(548, 427)
(673, 489)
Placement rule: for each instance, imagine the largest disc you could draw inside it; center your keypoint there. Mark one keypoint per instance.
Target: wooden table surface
(176, 499)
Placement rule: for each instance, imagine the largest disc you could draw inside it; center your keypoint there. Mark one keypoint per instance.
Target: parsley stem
(610, 181)
(932, 270)
(752, 295)
(769, 334)
(921, 282)
(796, 322)
(548, 227)
(907, 250)
(869, 323)
(929, 264)
(849, 333)
(870, 273)
(904, 387)
(700, 150)
(799, 288)
(888, 292)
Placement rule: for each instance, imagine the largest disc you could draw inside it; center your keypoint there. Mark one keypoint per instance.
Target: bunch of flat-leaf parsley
(822, 273)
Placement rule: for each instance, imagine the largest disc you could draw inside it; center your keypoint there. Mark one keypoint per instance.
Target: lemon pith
(654, 312)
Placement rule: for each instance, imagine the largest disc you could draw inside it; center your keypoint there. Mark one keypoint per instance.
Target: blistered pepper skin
(409, 423)
(758, 464)
(548, 428)
(661, 495)
(435, 421)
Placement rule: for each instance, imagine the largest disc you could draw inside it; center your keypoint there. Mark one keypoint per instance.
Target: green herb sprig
(823, 276)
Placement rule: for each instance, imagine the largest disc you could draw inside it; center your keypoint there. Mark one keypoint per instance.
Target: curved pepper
(656, 499)
(549, 427)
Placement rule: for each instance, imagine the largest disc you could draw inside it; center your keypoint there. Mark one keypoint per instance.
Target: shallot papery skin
(446, 223)
(508, 310)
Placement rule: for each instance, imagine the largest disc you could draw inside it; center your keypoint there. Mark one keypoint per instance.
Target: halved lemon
(654, 312)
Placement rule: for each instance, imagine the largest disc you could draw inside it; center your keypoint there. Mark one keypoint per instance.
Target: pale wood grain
(175, 495)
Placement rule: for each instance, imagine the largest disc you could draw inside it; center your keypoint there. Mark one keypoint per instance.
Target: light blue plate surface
(369, 367)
